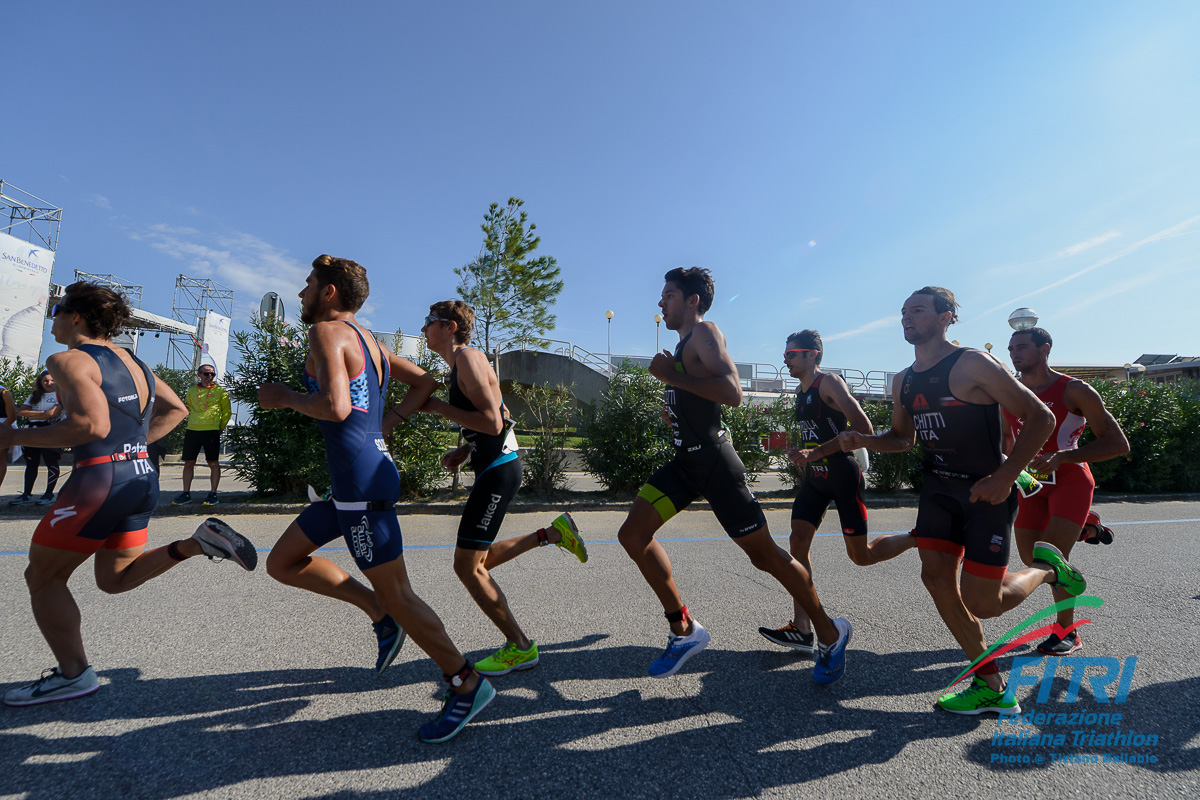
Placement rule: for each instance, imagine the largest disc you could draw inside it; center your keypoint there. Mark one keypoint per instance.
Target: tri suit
(362, 475)
(961, 445)
(705, 464)
(497, 469)
(1066, 492)
(113, 489)
(836, 478)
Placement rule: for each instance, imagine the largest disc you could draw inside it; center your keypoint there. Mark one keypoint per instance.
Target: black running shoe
(391, 639)
(1057, 646)
(790, 636)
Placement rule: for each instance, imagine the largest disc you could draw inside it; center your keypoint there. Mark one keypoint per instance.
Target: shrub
(180, 380)
(748, 425)
(624, 437)
(545, 463)
(1162, 423)
(891, 472)
(417, 445)
(19, 378)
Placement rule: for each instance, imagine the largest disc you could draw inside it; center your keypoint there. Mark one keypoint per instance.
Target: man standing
(700, 378)
(950, 401)
(1059, 511)
(347, 373)
(114, 404)
(208, 414)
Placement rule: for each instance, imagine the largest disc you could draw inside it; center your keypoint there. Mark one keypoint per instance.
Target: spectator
(208, 414)
(41, 409)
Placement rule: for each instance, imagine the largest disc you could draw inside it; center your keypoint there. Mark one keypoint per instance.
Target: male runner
(476, 405)
(114, 404)
(347, 373)
(1058, 513)
(950, 400)
(700, 378)
(825, 408)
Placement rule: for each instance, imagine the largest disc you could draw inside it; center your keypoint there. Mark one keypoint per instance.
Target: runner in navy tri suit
(824, 409)
(114, 405)
(949, 401)
(346, 376)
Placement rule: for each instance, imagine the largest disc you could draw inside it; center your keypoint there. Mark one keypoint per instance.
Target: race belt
(91, 462)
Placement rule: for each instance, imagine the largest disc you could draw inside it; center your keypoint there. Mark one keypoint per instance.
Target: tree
(510, 290)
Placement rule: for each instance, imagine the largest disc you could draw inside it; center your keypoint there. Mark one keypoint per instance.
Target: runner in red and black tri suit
(114, 405)
(1059, 512)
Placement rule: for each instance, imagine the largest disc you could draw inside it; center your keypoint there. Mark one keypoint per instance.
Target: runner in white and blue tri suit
(346, 380)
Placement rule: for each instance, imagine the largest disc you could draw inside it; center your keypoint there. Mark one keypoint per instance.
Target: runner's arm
(78, 378)
(326, 349)
(900, 438)
(994, 380)
(420, 383)
(477, 382)
(1110, 440)
(722, 387)
(168, 411)
(10, 411)
(836, 393)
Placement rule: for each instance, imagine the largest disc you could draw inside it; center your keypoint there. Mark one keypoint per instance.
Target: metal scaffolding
(194, 298)
(133, 296)
(29, 217)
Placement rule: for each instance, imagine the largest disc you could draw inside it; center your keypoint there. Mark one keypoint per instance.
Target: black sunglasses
(429, 320)
(61, 306)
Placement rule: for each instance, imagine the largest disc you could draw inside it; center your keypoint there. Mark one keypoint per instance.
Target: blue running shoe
(831, 659)
(679, 650)
(391, 638)
(457, 711)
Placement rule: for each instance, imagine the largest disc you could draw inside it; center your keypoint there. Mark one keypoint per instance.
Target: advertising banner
(214, 348)
(25, 271)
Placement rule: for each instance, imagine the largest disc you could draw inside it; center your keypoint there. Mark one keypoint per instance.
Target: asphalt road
(218, 683)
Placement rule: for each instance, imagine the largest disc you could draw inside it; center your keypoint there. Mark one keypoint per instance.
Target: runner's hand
(992, 489)
(662, 366)
(273, 395)
(800, 457)
(851, 441)
(1047, 462)
(453, 459)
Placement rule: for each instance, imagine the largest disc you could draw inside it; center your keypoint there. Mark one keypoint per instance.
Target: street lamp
(1022, 318)
(657, 328)
(610, 315)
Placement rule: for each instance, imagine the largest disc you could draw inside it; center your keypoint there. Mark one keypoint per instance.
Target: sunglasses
(206, 374)
(429, 320)
(57, 307)
(789, 353)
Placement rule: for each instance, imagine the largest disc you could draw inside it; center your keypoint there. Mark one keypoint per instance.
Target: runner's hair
(105, 311)
(943, 301)
(694, 280)
(348, 277)
(810, 340)
(459, 312)
(1040, 336)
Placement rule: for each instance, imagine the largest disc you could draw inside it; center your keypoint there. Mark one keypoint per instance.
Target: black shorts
(194, 440)
(484, 511)
(839, 481)
(979, 532)
(715, 473)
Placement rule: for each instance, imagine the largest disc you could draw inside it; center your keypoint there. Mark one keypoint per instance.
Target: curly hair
(456, 311)
(105, 311)
(348, 277)
(694, 280)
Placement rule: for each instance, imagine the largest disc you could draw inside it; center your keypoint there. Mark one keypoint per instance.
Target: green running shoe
(1066, 577)
(978, 698)
(571, 540)
(508, 659)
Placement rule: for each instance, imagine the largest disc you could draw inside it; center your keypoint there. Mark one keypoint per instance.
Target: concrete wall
(533, 368)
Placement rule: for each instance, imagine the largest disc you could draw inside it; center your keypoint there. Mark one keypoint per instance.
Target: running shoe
(391, 638)
(1066, 577)
(53, 686)
(1061, 646)
(790, 636)
(20, 500)
(44, 500)
(211, 500)
(220, 542)
(509, 659)
(679, 650)
(182, 499)
(1095, 533)
(831, 659)
(571, 541)
(978, 698)
(457, 711)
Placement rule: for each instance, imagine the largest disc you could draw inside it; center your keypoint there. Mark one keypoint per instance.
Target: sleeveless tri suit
(1066, 492)
(837, 478)
(497, 470)
(113, 489)
(362, 475)
(961, 445)
(705, 464)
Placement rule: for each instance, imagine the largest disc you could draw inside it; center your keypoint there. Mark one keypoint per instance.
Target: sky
(823, 160)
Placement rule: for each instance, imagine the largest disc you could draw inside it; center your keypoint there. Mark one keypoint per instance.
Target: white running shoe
(221, 542)
(53, 686)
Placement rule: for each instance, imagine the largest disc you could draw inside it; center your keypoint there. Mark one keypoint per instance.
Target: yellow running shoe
(508, 659)
(571, 541)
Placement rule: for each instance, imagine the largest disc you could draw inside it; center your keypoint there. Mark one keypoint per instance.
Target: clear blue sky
(822, 159)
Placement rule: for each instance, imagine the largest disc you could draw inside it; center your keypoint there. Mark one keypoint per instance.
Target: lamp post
(1022, 318)
(609, 315)
(657, 328)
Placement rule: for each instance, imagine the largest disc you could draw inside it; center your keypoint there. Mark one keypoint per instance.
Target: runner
(1059, 512)
(478, 408)
(347, 374)
(825, 408)
(114, 404)
(950, 400)
(700, 378)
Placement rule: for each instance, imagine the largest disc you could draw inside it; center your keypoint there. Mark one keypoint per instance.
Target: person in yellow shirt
(208, 414)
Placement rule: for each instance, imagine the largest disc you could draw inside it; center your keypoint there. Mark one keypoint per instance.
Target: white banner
(25, 271)
(214, 338)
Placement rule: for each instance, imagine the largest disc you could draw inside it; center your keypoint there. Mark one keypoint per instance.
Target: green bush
(1162, 423)
(748, 425)
(544, 462)
(180, 380)
(417, 445)
(624, 437)
(891, 472)
(19, 378)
